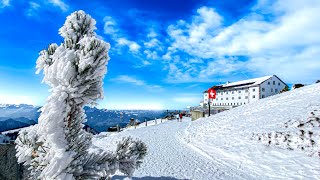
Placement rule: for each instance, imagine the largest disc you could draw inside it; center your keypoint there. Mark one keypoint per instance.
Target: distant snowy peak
(3, 105)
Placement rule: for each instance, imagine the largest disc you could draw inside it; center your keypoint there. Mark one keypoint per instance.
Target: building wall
(271, 87)
(232, 97)
(254, 94)
(240, 96)
(196, 115)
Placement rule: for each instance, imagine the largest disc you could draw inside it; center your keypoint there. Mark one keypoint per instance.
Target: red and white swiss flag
(212, 93)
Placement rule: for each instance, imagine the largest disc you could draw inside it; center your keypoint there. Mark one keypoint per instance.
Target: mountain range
(16, 116)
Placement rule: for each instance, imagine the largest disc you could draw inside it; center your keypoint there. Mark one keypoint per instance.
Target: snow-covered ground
(225, 145)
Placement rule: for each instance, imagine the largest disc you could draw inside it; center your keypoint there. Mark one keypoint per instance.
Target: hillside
(227, 145)
(15, 123)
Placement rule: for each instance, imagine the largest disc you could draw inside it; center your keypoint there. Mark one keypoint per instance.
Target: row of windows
(263, 90)
(274, 83)
(232, 92)
(227, 104)
(246, 97)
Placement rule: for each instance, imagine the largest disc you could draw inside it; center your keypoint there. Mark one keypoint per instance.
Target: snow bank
(226, 145)
(289, 121)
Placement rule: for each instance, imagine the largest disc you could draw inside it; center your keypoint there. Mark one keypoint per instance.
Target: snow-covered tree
(57, 147)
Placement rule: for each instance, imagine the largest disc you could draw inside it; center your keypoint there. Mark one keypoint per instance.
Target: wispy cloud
(33, 8)
(111, 29)
(4, 3)
(60, 4)
(133, 46)
(137, 82)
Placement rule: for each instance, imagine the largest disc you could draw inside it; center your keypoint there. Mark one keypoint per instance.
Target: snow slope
(224, 146)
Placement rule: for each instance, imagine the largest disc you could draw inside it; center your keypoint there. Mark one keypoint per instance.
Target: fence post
(146, 122)
(118, 128)
(155, 120)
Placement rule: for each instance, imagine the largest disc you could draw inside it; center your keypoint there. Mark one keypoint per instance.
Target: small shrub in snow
(301, 135)
(285, 89)
(58, 147)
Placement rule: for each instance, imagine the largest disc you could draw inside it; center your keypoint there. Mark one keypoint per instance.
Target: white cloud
(281, 38)
(110, 26)
(152, 34)
(128, 79)
(133, 46)
(153, 43)
(59, 3)
(4, 3)
(151, 54)
(146, 63)
(137, 82)
(33, 8)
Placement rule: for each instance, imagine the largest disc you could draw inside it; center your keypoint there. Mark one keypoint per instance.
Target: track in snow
(169, 157)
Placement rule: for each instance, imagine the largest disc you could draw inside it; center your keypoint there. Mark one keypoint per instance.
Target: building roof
(255, 81)
(242, 84)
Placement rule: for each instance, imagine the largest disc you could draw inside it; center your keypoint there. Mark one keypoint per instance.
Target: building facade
(243, 92)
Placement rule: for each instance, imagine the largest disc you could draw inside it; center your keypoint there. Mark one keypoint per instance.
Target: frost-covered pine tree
(57, 147)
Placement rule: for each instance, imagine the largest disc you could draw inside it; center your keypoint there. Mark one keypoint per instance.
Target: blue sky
(164, 54)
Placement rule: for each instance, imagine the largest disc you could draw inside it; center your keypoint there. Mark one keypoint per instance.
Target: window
(268, 83)
(226, 98)
(246, 97)
(278, 84)
(271, 89)
(221, 99)
(239, 97)
(227, 92)
(276, 90)
(237, 103)
(232, 98)
(262, 89)
(206, 100)
(262, 96)
(221, 93)
(239, 91)
(217, 99)
(246, 90)
(274, 83)
(253, 90)
(232, 92)
(254, 96)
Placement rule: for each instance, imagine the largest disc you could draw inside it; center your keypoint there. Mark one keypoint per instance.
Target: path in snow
(171, 158)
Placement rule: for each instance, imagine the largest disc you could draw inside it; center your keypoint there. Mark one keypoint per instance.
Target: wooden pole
(209, 106)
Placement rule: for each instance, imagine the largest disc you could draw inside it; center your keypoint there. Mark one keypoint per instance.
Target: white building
(243, 92)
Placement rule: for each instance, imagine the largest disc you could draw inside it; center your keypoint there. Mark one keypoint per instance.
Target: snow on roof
(254, 81)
